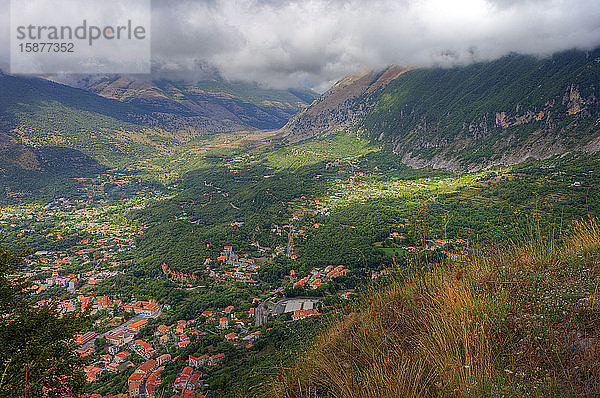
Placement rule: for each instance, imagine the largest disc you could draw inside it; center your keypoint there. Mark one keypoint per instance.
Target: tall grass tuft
(503, 322)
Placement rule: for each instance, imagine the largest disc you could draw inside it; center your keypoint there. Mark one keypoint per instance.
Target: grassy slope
(522, 321)
(43, 113)
(425, 110)
(39, 113)
(340, 145)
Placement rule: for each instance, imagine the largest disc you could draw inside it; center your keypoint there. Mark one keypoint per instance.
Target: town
(176, 332)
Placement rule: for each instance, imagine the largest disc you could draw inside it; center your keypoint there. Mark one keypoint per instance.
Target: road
(260, 315)
(288, 249)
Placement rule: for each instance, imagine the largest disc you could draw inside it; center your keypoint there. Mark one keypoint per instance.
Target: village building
(122, 356)
(301, 314)
(223, 322)
(144, 347)
(135, 327)
(198, 361)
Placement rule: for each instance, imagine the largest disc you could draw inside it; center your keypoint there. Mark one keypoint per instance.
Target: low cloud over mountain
(313, 43)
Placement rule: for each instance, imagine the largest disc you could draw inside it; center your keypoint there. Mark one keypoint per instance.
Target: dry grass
(522, 321)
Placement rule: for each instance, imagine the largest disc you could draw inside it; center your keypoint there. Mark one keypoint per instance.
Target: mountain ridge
(115, 118)
(472, 117)
(337, 107)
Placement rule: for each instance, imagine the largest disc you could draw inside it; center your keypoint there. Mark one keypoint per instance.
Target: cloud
(312, 43)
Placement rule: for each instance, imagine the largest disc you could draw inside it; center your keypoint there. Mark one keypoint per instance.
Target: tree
(99, 344)
(36, 346)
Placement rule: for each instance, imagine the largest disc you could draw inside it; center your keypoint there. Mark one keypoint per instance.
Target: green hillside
(40, 113)
(118, 120)
(500, 112)
(494, 112)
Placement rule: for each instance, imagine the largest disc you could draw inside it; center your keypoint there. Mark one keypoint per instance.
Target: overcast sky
(313, 43)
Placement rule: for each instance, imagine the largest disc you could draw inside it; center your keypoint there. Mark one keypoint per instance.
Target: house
(85, 338)
(106, 359)
(183, 340)
(152, 382)
(92, 372)
(194, 381)
(215, 359)
(151, 386)
(301, 314)
(115, 339)
(113, 349)
(250, 312)
(179, 329)
(120, 357)
(231, 336)
(146, 367)
(301, 282)
(102, 303)
(143, 308)
(144, 347)
(316, 283)
(112, 367)
(85, 301)
(135, 327)
(198, 361)
(165, 358)
(252, 337)
(223, 323)
(228, 309)
(162, 329)
(182, 379)
(163, 339)
(134, 384)
(128, 338)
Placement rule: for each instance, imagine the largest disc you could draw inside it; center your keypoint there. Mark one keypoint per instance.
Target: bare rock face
(342, 106)
(552, 134)
(178, 276)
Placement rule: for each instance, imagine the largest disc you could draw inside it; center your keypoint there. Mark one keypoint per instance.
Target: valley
(217, 249)
(212, 239)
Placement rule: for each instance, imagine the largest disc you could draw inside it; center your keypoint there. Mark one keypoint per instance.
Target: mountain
(340, 106)
(117, 118)
(51, 132)
(26, 171)
(469, 117)
(235, 105)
